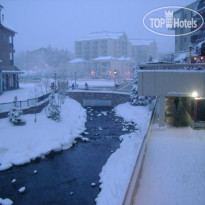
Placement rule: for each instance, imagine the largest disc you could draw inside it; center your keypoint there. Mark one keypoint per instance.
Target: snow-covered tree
(53, 110)
(15, 114)
(135, 99)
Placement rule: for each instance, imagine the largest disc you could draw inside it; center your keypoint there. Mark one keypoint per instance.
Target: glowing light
(194, 94)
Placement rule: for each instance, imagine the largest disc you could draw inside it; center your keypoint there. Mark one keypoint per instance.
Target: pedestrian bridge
(99, 98)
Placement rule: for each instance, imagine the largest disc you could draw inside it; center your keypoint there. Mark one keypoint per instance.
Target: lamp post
(190, 49)
(115, 73)
(55, 78)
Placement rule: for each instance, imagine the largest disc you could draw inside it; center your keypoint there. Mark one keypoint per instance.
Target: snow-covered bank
(21, 144)
(117, 171)
(26, 91)
(174, 168)
(6, 201)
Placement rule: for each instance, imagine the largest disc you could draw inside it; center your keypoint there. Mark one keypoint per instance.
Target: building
(106, 66)
(79, 67)
(144, 50)
(99, 44)
(8, 72)
(182, 42)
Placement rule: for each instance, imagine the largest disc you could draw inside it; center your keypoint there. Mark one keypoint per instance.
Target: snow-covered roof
(105, 58)
(139, 42)
(113, 58)
(125, 58)
(78, 60)
(181, 56)
(102, 35)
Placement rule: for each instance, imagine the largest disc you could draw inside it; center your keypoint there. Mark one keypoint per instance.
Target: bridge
(99, 98)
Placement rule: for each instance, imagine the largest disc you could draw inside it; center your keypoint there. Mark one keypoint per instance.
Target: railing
(166, 66)
(6, 107)
(134, 179)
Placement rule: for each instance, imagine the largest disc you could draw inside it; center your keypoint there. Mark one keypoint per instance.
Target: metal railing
(6, 107)
(134, 179)
(161, 66)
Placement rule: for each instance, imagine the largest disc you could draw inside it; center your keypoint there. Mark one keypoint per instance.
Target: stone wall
(115, 98)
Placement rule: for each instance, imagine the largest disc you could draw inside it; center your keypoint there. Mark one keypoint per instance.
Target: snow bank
(116, 173)
(21, 144)
(6, 201)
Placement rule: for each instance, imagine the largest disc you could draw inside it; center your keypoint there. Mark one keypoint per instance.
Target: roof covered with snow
(103, 35)
(78, 60)
(112, 58)
(140, 42)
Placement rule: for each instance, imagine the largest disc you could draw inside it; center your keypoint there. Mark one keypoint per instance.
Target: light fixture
(194, 94)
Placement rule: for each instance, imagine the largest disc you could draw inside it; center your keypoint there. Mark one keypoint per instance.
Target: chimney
(1, 7)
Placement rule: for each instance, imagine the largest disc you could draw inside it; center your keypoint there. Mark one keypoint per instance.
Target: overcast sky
(59, 23)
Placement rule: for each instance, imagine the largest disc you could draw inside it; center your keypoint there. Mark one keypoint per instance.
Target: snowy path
(174, 168)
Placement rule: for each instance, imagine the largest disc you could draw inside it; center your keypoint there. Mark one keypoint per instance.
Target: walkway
(173, 169)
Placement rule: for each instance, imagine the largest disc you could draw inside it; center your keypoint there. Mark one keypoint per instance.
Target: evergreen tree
(15, 114)
(53, 110)
(135, 99)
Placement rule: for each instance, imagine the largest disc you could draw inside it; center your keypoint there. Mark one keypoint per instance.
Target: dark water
(68, 171)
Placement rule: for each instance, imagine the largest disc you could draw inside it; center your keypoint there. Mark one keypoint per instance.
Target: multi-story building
(144, 50)
(8, 72)
(98, 44)
(105, 66)
(182, 42)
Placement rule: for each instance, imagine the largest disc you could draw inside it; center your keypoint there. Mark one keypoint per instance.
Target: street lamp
(190, 49)
(115, 73)
(55, 78)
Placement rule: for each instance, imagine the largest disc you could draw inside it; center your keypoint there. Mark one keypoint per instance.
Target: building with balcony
(8, 72)
(105, 43)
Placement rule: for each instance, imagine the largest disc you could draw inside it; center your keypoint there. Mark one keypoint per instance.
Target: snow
(22, 189)
(21, 144)
(174, 167)
(93, 184)
(141, 42)
(35, 171)
(116, 173)
(105, 58)
(13, 180)
(26, 91)
(77, 60)
(6, 201)
(102, 35)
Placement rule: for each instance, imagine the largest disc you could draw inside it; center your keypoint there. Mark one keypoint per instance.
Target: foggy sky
(59, 23)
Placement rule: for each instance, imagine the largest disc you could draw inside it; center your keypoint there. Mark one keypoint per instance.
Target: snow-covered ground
(26, 91)
(174, 168)
(116, 173)
(94, 83)
(21, 144)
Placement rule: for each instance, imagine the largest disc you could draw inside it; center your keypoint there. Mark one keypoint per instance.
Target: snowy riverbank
(116, 172)
(21, 144)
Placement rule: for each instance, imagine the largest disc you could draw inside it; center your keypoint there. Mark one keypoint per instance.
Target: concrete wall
(171, 83)
(114, 98)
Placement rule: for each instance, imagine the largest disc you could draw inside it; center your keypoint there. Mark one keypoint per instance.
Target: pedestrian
(176, 102)
(86, 86)
(73, 86)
